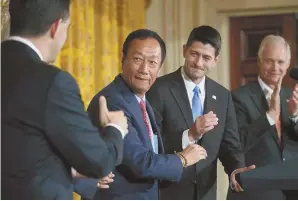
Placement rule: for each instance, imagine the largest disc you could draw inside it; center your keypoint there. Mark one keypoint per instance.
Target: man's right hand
(193, 153)
(202, 125)
(115, 117)
(274, 104)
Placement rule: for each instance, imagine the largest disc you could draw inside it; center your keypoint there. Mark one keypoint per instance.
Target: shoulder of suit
(245, 89)
(165, 79)
(216, 85)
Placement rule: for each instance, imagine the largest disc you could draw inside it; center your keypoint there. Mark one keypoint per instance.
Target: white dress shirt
(190, 85)
(154, 140)
(268, 92)
(28, 43)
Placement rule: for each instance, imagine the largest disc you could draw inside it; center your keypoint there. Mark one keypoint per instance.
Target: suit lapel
(210, 104)
(259, 98)
(260, 101)
(210, 99)
(284, 107)
(284, 111)
(179, 93)
(135, 109)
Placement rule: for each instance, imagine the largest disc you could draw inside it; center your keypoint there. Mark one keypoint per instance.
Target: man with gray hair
(267, 115)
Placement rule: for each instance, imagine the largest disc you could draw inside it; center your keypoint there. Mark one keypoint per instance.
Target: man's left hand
(235, 185)
(105, 181)
(293, 104)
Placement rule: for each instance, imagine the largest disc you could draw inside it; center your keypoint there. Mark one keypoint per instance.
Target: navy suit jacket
(137, 177)
(45, 130)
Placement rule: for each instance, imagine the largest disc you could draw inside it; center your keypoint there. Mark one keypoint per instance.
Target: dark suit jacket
(259, 139)
(169, 98)
(282, 175)
(45, 130)
(137, 177)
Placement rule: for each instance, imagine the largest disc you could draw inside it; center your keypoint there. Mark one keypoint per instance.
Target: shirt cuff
(117, 127)
(186, 141)
(270, 120)
(294, 119)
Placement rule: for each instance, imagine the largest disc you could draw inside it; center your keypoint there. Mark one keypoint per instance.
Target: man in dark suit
(45, 130)
(267, 115)
(194, 109)
(144, 161)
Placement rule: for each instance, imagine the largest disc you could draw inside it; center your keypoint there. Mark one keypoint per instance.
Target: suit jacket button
(194, 181)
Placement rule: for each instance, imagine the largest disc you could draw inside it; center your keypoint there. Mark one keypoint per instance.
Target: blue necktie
(197, 109)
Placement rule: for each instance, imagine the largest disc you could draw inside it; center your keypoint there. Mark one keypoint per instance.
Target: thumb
(103, 109)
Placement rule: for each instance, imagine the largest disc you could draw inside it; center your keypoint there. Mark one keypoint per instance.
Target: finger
(111, 175)
(99, 185)
(251, 167)
(208, 119)
(239, 188)
(203, 154)
(210, 123)
(295, 95)
(106, 181)
(210, 114)
(208, 128)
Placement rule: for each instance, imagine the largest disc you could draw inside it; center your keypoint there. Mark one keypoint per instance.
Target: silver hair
(274, 39)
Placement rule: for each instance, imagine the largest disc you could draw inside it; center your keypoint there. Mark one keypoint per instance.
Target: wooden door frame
(218, 15)
(235, 37)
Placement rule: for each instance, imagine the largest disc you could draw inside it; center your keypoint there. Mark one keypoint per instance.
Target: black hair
(35, 17)
(143, 34)
(206, 35)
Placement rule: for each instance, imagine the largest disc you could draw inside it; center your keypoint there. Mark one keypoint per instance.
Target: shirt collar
(265, 88)
(139, 99)
(26, 42)
(190, 85)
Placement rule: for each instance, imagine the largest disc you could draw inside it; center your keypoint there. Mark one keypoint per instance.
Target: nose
(275, 65)
(144, 68)
(199, 61)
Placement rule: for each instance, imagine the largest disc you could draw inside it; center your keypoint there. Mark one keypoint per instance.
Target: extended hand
(235, 185)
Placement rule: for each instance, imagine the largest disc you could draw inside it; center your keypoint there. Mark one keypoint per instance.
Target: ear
(216, 60)
(54, 28)
(184, 50)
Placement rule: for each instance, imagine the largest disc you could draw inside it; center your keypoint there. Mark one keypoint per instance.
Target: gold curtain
(4, 19)
(77, 55)
(92, 52)
(115, 19)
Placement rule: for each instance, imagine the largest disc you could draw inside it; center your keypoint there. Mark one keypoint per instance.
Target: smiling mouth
(143, 79)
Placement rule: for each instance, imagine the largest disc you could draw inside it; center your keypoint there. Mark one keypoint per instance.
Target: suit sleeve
(230, 153)
(250, 131)
(139, 159)
(72, 135)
